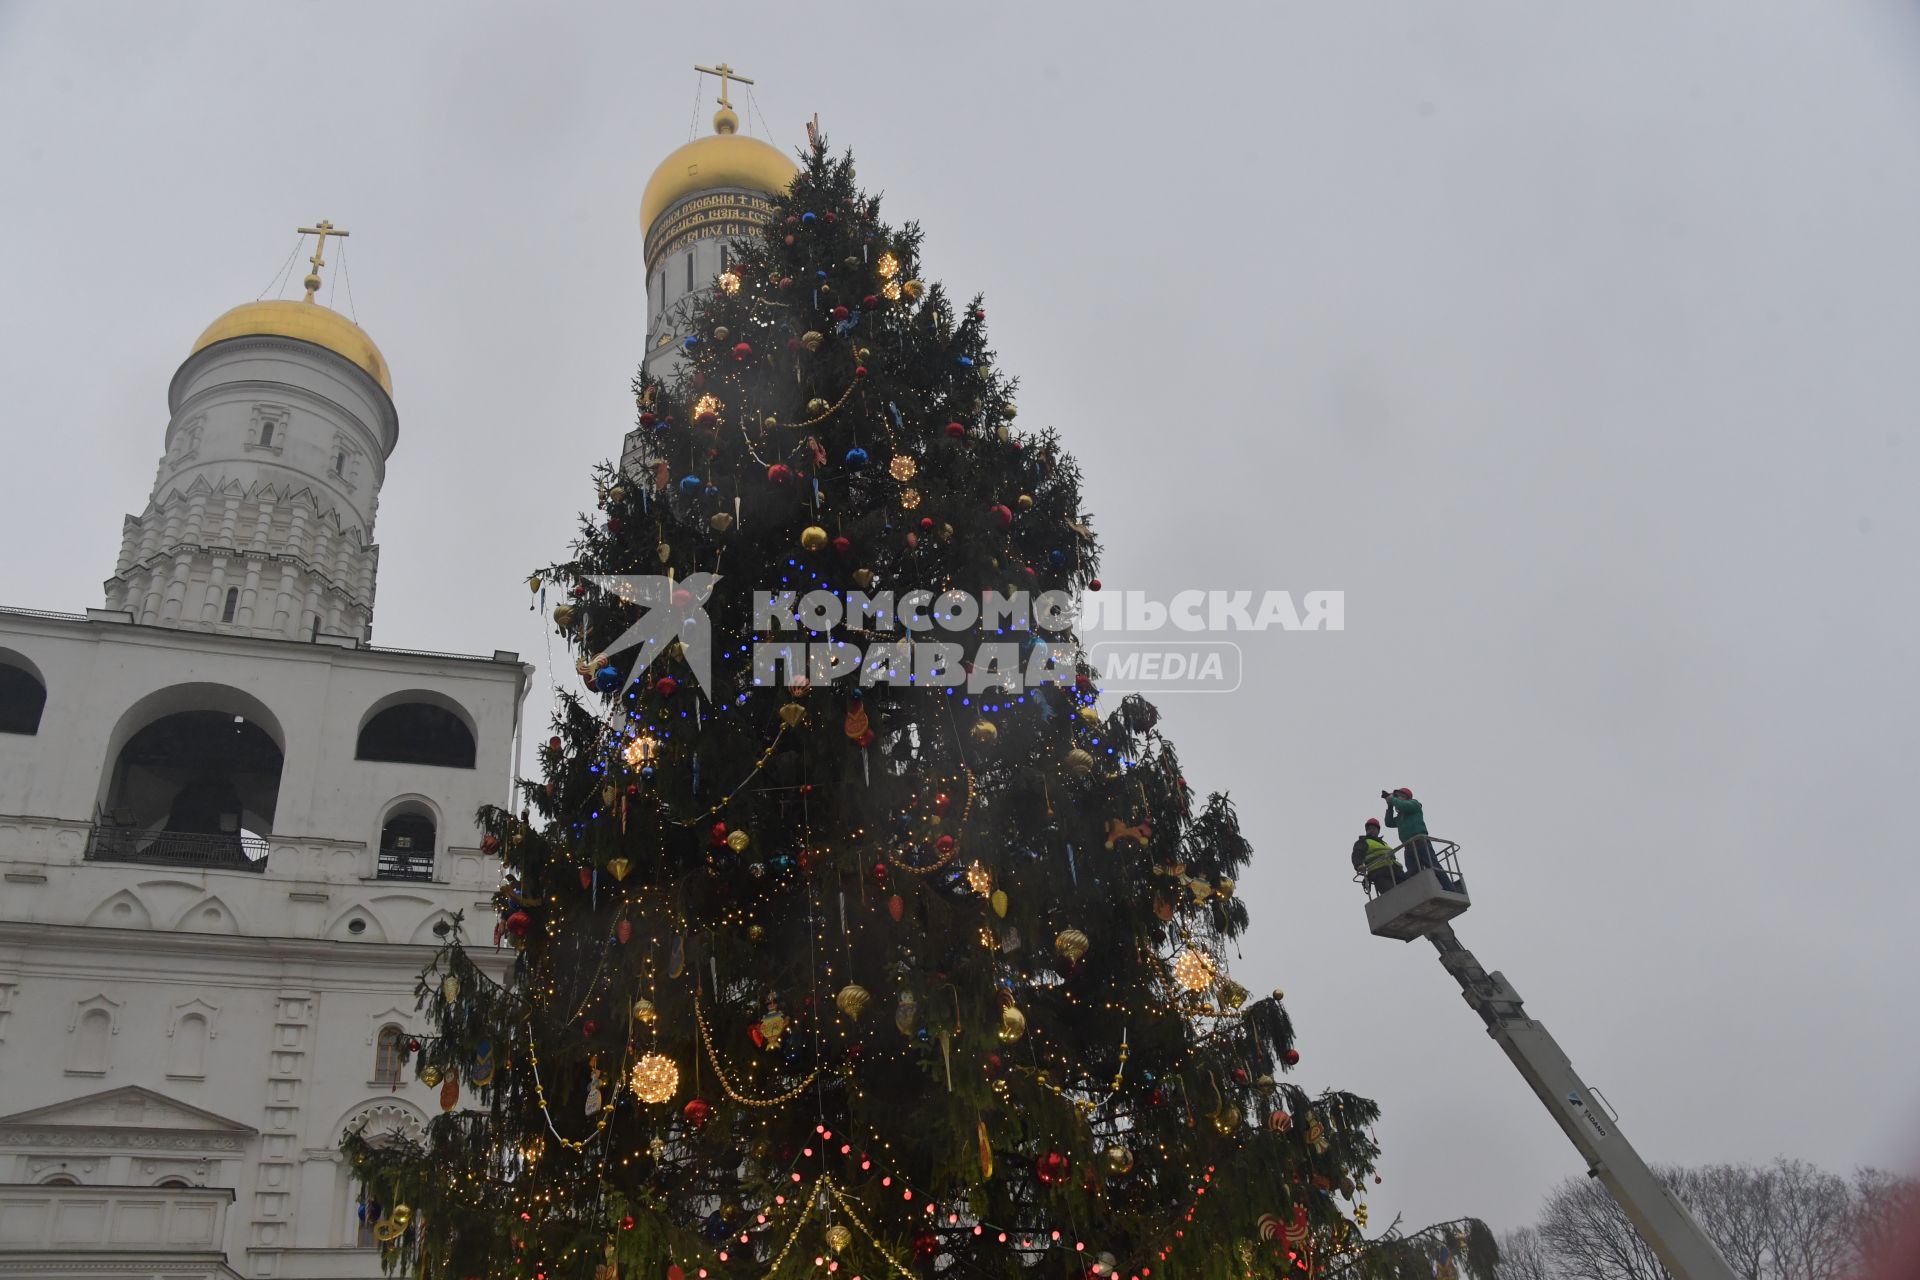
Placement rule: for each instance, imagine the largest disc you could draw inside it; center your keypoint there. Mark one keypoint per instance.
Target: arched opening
(23, 694)
(195, 784)
(180, 1184)
(389, 1051)
(407, 843)
(232, 605)
(417, 728)
(60, 1180)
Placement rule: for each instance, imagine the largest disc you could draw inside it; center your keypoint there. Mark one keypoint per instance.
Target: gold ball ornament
(852, 1000)
(985, 732)
(1090, 716)
(1078, 763)
(817, 406)
(863, 578)
(756, 932)
(738, 841)
(1024, 502)
(1266, 1085)
(655, 1078)
(1013, 1024)
(1072, 944)
(644, 1012)
(1224, 888)
(1227, 1120)
(720, 333)
(1232, 995)
(813, 537)
(430, 1075)
(913, 289)
(863, 355)
(720, 522)
(812, 339)
(771, 420)
(563, 616)
(1117, 1161)
(838, 1238)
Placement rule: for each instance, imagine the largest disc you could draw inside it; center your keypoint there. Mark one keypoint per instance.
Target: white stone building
(231, 834)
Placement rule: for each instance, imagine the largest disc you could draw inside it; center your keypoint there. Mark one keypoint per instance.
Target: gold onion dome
(727, 159)
(303, 322)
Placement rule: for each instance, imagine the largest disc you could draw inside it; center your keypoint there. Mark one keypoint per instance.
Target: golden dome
(303, 322)
(727, 159)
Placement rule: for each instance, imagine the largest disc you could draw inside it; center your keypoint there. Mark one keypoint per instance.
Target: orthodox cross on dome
(725, 73)
(319, 231)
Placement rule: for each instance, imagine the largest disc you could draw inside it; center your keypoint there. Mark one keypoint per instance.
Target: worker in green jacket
(1373, 858)
(1405, 815)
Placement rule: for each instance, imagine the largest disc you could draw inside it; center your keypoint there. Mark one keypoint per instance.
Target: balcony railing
(405, 864)
(242, 851)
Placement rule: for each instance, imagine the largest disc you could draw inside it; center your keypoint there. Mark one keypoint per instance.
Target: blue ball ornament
(607, 679)
(965, 362)
(692, 485)
(856, 458)
(1056, 557)
(809, 218)
(646, 771)
(690, 342)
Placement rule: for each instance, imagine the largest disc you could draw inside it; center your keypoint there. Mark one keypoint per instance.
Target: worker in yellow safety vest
(1373, 857)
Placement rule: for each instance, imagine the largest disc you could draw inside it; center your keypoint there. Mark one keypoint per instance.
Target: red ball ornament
(413, 1046)
(518, 923)
(682, 597)
(859, 371)
(942, 802)
(866, 739)
(913, 539)
(780, 473)
(787, 239)
(926, 1246)
(553, 744)
(870, 301)
(944, 844)
(786, 282)
(665, 686)
(839, 313)
(831, 218)
(1239, 1075)
(698, 1112)
(979, 315)
(741, 350)
(1002, 514)
(589, 1028)
(647, 418)
(956, 430)
(717, 836)
(626, 1223)
(1093, 585)
(489, 843)
(926, 523)
(579, 590)
(843, 544)
(1052, 1168)
(880, 873)
(1291, 1057)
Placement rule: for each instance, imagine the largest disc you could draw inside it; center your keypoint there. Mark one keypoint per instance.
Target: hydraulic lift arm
(1663, 1222)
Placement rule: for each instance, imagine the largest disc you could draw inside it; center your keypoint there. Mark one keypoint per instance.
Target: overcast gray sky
(1575, 343)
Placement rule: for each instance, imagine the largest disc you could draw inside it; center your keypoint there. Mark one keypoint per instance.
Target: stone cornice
(100, 1137)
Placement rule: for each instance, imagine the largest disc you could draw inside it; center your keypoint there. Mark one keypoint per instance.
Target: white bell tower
(260, 522)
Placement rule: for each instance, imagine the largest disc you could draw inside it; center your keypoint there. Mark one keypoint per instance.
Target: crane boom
(1420, 905)
(1662, 1221)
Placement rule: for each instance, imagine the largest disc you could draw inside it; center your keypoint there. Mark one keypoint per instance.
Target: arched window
(91, 1037)
(61, 1180)
(22, 698)
(417, 733)
(406, 847)
(389, 1051)
(266, 435)
(187, 1057)
(233, 601)
(174, 1183)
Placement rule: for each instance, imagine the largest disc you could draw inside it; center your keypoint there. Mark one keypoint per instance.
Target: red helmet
(1404, 791)
(1373, 822)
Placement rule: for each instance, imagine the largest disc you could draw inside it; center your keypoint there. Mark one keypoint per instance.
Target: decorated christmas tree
(851, 935)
